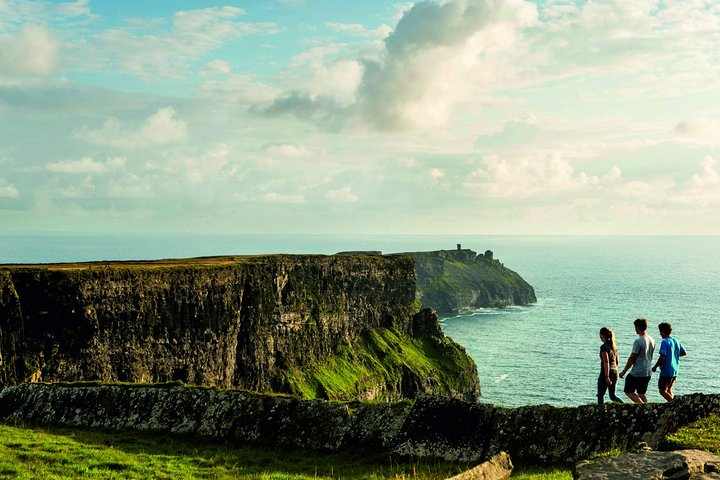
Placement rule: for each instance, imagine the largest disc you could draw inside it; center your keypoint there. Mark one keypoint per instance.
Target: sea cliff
(453, 281)
(334, 327)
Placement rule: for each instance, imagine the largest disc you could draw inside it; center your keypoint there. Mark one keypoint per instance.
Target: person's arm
(628, 364)
(660, 361)
(605, 360)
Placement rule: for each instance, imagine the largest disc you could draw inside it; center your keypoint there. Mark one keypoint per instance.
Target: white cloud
(703, 189)
(701, 129)
(166, 54)
(237, 89)
(86, 165)
(360, 30)
(437, 173)
(160, 128)
(213, 165)
(32, 51)
(216, 67)
(287, 150)
(8, 190)
(344, 194)
(406, 162)
(273, 197)
(526, 177)
(438, 55)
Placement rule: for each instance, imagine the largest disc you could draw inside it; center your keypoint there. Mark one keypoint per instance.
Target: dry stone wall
(431, 427)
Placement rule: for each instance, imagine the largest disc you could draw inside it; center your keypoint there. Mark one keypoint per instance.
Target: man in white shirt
(641, 362)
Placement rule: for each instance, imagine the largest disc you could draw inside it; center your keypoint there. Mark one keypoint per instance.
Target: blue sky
(304, 116)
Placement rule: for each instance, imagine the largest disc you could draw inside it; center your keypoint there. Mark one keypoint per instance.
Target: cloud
(160, 128)
(8, 190)
(162, 53)
(406, 162)
(273, 197)
(287, 150)
(702, 129)
(86, 165)
(532, 176)
(515, 132)
(238, 89)
(215, 67)
(439, 55)
(31, 51)
(343, 194)
(360, 30)
(703, 189)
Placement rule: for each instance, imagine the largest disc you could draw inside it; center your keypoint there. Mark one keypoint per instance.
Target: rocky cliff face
(453, 281)
(254, 323)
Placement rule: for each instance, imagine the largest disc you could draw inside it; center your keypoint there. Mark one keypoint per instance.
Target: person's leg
(665, 385)
(630, 388)
(642, 388)
(601, 388)
(611, 388)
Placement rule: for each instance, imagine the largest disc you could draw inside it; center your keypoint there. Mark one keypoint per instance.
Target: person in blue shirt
(670, 352)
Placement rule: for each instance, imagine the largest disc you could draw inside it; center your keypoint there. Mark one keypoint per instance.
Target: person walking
(670, 352)
(641, 362)
(607, 380)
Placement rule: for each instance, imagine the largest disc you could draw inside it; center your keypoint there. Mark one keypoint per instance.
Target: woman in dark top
(608, 366)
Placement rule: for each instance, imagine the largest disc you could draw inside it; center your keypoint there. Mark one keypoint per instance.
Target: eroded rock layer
(233, 322)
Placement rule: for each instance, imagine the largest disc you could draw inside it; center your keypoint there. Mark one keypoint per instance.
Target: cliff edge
(314, 326)
(454, 281)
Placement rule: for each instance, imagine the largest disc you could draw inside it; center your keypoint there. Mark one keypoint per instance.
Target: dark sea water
(543, 353)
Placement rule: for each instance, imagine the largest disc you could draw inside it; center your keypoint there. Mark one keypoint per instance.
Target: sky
(372, 117)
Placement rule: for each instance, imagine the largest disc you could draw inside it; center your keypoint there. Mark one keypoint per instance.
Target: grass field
(59, 453)
(702, 435)
(32, 453)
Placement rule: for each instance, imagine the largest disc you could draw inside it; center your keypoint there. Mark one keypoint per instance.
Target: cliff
(453, 281)
(430, 427)
(334, 327)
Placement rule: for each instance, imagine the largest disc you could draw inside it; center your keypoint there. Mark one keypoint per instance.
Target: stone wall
(229, 322)
(431, 427)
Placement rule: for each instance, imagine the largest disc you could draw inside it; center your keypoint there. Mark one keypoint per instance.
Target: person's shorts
(636, 384)
(666, 383)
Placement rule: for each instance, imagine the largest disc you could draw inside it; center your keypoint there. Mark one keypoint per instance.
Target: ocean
(545, 353)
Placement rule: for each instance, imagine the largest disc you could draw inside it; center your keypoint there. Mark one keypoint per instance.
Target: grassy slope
(378, 359)
(702, 435)
(69, 454)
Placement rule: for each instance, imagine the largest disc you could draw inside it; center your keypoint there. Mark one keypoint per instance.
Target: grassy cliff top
(221, 260)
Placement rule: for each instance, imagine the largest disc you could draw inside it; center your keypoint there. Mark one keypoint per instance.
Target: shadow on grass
(26, 452)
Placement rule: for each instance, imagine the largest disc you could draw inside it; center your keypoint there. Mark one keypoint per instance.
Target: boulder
(498, 467)
(677, 465)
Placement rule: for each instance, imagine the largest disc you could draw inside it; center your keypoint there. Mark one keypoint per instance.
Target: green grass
(542, 473)
(60, 453)
(702, 435)
(379, 359)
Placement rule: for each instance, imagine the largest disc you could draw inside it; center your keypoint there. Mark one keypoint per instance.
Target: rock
(498, 467)
(677, 465)
(453, 281)
(259, 323)
(431, 427)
